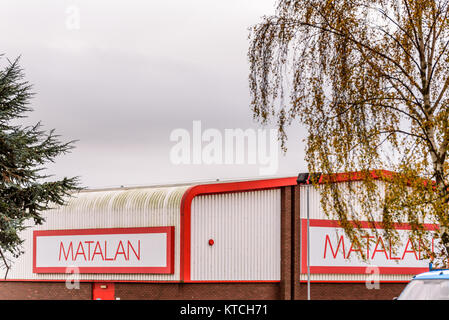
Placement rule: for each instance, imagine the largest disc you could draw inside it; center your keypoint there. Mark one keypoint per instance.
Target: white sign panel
(118, 250)
(332, 251)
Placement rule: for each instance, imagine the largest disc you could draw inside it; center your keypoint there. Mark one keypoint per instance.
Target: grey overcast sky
(132, 73)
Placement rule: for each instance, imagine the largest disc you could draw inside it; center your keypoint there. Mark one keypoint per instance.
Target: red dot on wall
(211, 242)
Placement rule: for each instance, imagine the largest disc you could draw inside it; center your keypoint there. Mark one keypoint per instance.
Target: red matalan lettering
(62, 250)
(78, 251)
(88, 248)
(138, 249)
(367, 244)
(120, 245)
(334, 253)
(379, 248)
(409, 251)
(100, 251)
(379, 241)
(106, 252)
(391, 254)
(353, 250)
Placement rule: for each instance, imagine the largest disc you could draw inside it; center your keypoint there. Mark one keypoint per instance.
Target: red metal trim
(161, 270)
(76, 232)
(194, 191)
(351, 270)
(191, 281)
(354, 281)
(355, 176)
(168, 269)
(34, 251)
(89, 280)
(361, 270)
(232, 281)
(359, 175)
(365, 224)
(140, 281)
(303, 251)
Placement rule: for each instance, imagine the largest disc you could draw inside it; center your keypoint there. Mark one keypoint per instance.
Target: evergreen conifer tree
(25, 190)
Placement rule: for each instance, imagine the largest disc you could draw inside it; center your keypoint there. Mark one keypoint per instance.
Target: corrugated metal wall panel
(245, 227)
(315, 209)
(137, 207)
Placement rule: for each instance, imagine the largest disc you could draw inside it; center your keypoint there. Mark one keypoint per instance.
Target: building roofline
(182, 184)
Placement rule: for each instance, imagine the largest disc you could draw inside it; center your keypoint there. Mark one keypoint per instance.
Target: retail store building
(230, 240)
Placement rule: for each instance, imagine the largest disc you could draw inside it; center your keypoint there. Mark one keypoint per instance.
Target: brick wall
(198, 291)
(27, 290)
(350, 291)
(16, 290)
(257, 291)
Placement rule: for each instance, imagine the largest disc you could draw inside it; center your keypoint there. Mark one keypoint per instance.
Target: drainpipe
(304, 179)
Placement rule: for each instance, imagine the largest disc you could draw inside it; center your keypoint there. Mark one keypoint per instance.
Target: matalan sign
(331, 251)
(116, 250)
